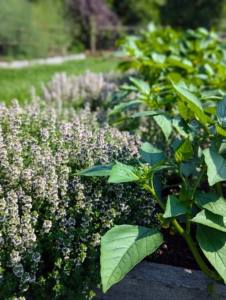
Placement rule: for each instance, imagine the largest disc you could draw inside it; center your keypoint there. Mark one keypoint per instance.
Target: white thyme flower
(18, 270)
(47, 225)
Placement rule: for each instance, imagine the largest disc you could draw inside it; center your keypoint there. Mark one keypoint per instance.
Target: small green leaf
(221, 112)
(192, 101)
(151, 154)
(216, 166)
(176, 143)
(124, 246)
(213, 244)
(212, 202)
(209, 69)
(187, 169)
(174, 207)
(213, 93)
(147, 113)
(117, 120)
(181, 126)
(129, 88)
(141, 85)
(184, 151)
(157, 183)
(124, 106)
(101, 170)
(220, 131)
(164, 122)
(159, 168)
(185, 111)
(122, 173)
(210, 110)
(209, 219)
(117, 96)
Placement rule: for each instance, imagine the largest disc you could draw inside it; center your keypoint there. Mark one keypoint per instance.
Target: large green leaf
(220, 130)
(122, 173)
(141, 85)
(164, 122)
(151, 154)
(212, 202)
(209, 219)
(183, 151)
(192, 101)
(174, 207)
(221, 112)
(124, 106)
(122, 247)
(216, 166)
(213, 244)
(101, 170)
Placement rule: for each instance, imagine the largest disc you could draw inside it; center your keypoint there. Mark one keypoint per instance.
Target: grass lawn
(16, 83)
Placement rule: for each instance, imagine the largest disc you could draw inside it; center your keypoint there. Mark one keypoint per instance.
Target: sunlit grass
(16, 83)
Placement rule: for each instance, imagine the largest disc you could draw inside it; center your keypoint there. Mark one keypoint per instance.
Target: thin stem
(188, 222)
(182, 177)
(198, 258)
(152, 191)
(188, 238)
(198, 182)
(204, 127)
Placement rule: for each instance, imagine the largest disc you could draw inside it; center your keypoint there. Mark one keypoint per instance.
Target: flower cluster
(50, 219)
(90, 88)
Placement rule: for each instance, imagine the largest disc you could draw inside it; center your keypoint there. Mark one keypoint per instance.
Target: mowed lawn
(16, 83)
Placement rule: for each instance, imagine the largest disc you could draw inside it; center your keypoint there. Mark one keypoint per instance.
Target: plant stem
(188, 222)
(198, 258)
(198, 182)
(186, 235)
(152, 191)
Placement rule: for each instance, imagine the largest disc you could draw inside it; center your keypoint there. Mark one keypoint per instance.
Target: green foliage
(17, 33)
(165, 53)
(53, 29)
(133, 12)
(195, 127)
(32, 29)
(187, 14)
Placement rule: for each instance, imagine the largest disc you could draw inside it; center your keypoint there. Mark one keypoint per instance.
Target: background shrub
(32, 29)
(186, 14)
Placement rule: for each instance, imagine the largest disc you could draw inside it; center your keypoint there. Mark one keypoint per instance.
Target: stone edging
(149, 281)
(48, 61)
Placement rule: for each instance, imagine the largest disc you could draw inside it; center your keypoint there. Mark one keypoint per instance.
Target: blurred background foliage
(41, 28)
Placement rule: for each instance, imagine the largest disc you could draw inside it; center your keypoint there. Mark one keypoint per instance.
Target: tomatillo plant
(198, 156)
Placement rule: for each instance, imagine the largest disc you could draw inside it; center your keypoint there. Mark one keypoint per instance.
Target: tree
(186, 14)
(82, 11)
(133, 12)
